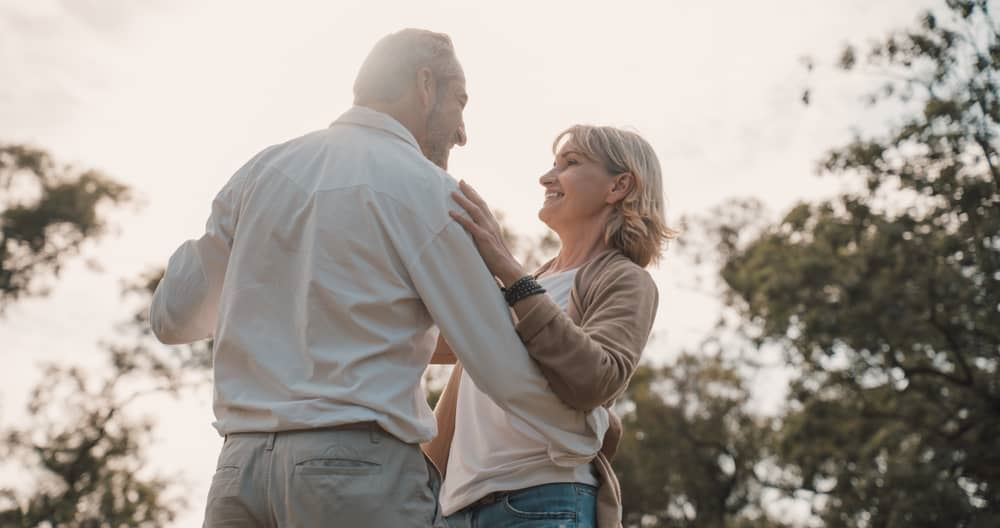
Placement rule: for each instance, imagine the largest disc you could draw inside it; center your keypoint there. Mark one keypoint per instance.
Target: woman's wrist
(521, 289)
(510, 273)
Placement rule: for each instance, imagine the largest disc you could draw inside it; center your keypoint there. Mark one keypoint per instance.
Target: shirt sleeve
(466, 304)
(186, 302)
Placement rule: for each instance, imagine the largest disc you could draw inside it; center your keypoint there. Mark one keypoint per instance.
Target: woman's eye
(571, 162)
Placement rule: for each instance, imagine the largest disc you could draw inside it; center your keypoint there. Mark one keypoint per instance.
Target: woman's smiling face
(576, 189)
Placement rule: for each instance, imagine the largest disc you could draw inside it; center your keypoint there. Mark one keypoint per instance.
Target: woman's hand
(612, 438)
(486, 233)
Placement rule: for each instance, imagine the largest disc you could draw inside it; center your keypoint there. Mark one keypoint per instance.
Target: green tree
(887, 300)
(690, 447)
(81, 456)
(85, 450)
(47, 211)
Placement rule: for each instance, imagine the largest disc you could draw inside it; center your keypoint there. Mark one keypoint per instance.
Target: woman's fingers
(480, 222)
(473, 195)
(465, 202)
(484, 215)
(476, 212)
(469, 225)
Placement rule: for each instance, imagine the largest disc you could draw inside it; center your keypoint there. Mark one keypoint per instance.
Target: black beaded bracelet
(524, 287)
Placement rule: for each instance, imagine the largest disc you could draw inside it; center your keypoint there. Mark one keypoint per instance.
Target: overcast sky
(171, 97)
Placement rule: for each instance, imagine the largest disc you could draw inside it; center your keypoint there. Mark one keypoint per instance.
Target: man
(325, 262)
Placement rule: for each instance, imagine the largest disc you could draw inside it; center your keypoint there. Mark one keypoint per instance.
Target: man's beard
(437, 145)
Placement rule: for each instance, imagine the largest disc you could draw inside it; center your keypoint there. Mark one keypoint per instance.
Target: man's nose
(460, 137)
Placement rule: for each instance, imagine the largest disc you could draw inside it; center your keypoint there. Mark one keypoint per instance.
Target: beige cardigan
(587, 353)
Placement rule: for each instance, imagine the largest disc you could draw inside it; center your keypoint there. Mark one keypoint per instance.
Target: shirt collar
(366, 117)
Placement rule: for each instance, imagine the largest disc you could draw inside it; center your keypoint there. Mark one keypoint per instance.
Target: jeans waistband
(498, 496)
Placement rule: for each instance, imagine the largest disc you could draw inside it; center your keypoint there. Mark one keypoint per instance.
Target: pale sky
(171, 97)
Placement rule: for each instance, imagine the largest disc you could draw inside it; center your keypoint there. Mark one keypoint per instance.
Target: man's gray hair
(391, 67)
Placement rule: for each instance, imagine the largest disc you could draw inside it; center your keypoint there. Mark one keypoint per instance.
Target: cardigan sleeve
(590, 364)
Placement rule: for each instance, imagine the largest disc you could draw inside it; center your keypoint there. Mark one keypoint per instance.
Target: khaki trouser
(359, 476)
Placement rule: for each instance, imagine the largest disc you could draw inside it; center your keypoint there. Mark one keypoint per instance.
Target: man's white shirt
(325, 263)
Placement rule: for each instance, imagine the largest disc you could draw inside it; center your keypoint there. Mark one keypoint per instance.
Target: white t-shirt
(493, 450)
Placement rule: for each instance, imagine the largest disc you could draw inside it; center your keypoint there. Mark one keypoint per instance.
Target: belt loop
(373, 433)
(270, 441)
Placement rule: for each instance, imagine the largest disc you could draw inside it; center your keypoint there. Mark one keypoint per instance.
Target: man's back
(319, 323)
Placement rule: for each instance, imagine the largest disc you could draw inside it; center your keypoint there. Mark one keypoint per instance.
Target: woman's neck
(578, 248)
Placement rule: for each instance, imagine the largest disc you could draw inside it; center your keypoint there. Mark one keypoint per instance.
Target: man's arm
(186, 302)
(467, 306)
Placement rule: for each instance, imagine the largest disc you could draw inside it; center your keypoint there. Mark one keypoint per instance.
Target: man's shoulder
(425, 190)
(279, 153)
(342, 157)
(398, 171)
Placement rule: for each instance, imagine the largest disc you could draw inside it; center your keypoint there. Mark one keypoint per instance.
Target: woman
(604, 200)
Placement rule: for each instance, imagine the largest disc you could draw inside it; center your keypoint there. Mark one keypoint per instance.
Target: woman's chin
(546, 218)
(543, 215)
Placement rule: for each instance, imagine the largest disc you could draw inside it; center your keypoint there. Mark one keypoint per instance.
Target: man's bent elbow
(161, 329)
(164, 336)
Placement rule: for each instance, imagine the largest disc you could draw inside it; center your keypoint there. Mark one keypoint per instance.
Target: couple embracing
(326, 265)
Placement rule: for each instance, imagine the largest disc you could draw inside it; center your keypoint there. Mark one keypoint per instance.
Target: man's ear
(426, 87)
(622, 185)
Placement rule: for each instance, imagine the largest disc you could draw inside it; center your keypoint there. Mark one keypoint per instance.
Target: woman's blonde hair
(637, 226)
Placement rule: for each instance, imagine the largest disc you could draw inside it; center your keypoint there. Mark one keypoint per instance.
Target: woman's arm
(586, 365)
(589, 364)
(439, 448)
(442, 353)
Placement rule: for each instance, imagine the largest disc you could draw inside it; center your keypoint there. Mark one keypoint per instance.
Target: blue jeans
(562, 505)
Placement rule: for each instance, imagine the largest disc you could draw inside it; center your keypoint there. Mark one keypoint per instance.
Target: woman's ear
(622, 185)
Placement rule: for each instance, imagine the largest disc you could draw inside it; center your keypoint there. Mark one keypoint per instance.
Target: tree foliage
(887, 299)
(81, 457)
(84, 451)
(47, 211)
(690, 447)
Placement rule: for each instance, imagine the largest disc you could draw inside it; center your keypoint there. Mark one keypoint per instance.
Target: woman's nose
(548, 177)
